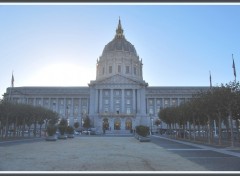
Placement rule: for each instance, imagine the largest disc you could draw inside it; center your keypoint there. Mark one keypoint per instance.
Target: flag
(210, 78)
(12, 81)
(234, 69)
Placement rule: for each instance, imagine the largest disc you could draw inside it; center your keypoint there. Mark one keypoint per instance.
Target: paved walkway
(92, 154)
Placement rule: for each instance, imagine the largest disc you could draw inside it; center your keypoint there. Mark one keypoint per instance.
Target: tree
(62, 126)
(87, 122)
(76, 125)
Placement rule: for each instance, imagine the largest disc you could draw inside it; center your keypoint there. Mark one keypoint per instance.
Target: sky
(58, 45)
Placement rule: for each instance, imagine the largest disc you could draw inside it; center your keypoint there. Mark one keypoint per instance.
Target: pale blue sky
(58, 45)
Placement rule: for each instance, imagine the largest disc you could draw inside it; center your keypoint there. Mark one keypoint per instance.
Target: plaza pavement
(93, 153)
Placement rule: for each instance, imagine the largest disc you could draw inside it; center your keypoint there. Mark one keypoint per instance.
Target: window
(166, 102)
(117, 110)
(119, 68)
(135, 70)
(127, 69)
(151, 111)
(117, 92)
(117, 101)
(110, 69)
(174, 102)
(106, 93)
(106, 101)
(54, 102)
(106, 109)
(75, 110)
(128, 110)
(150, 102)
(103, 70)
(128, 101)
(128, 93)
(61, 111)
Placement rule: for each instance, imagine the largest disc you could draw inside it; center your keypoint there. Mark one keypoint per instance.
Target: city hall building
(119, 96)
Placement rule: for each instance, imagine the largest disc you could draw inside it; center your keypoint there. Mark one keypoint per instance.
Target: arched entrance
(117, 124)
(128, 124)
(105, 124)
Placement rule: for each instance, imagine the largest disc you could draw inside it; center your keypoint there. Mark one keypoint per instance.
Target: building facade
(118, 99)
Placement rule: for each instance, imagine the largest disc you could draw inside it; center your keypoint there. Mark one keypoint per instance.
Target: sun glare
(61, 74)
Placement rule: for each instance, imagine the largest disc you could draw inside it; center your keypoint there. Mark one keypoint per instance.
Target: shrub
(76, 125)
(70, 130)
(62, 126)
(51, 130)
(142, 130)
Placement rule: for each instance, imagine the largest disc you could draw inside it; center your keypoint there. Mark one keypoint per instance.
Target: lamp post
(67, 115)
(151, 121)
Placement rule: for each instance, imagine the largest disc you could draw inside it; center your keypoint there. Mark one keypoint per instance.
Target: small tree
(70, 130)
(158, 122)
(87, 122)
(142, 130)
(51, 129)
(76, 125)
(62, 126)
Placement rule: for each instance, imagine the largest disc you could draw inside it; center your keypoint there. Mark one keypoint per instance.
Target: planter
(70, 135)
(144, 139)
(136, 136)
(51, 138)
(62, 137)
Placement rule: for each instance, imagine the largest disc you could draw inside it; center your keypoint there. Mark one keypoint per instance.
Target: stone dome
(119, 57)
(119, 43)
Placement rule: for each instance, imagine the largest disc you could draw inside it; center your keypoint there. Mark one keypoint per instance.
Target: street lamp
(151, 118)
(67, 115)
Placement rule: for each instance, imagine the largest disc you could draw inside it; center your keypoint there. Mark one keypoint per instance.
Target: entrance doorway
(128, 124)
(105, 124)
(117, 124)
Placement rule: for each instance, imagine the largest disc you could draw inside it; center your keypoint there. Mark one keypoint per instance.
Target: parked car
(89, 131)
(76, 133)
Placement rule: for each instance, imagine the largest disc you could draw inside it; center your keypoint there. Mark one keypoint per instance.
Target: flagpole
(234, 70)
(210, 78)
(12, 85)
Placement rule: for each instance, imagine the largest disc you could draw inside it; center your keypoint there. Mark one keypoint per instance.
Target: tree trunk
(209, 130)
(237, 128)
(219, 129)
(35, 129)
(194, 129)
(40, 131)
(189, 129)
(231, 128)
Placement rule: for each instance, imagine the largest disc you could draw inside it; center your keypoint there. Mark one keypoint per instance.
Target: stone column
(147, 107)
(49, 104)
(64, 106)
(122, 101)
(80, 110)
(134, 102)
(96, 101)
(100, 101)
(138, 101)
(155, 107)
(34, 102)
(111, 100)
(57, 110)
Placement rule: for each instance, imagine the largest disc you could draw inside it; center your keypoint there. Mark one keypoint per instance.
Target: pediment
(118, 79)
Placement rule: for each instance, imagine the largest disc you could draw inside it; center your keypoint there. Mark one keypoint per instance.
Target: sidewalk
(92, 154)
(234, 151)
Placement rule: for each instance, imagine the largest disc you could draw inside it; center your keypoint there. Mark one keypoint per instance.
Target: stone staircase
(118, 132)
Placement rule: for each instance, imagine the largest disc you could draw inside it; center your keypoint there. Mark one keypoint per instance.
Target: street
(214, 159)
